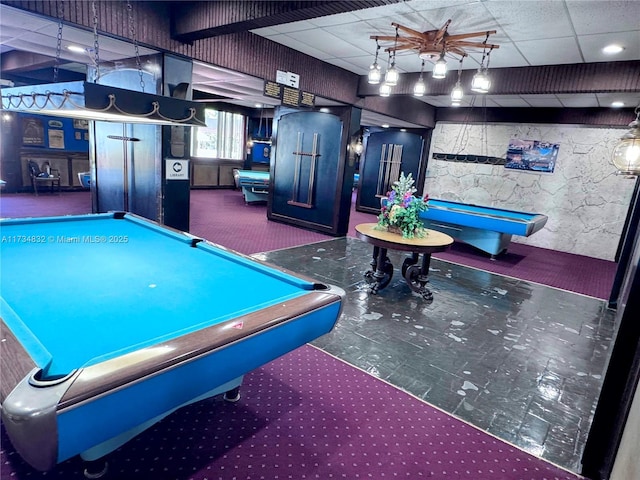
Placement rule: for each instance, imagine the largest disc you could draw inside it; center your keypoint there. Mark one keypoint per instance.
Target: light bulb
(391, 78)
(375, 74)
(440, 68)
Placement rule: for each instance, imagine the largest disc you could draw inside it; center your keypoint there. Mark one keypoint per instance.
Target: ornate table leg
(412, 260)
(417, 277)
(382, 270)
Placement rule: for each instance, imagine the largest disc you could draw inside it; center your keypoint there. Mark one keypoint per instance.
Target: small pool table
(110, 322)
(487, 228)
(254, 184)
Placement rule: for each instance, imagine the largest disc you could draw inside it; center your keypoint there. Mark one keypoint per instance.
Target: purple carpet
(308, 415)
(222, 217)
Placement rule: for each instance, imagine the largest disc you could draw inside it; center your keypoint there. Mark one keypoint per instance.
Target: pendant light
(375, 72)
(420, 88)
(626, 154)
(440, 67)
(457, 93)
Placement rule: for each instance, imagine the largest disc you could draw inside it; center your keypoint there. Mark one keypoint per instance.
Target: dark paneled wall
(243, 52)
(208, 19)
(545, 79)
(253, 55)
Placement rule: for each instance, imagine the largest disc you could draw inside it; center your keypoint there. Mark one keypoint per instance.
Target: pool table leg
(95, 468)
(233, 395)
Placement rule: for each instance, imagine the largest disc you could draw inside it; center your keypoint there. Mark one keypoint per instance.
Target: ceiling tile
(551, 51)
(359, 65)
(333, 20)
(387, 11)
(292, 27)
(590, 17)
(629, 99)
(505, 56)
(591, 46)
(321, 41)
(531, 20)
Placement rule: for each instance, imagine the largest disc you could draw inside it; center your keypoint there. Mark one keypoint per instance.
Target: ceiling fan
(434, 44)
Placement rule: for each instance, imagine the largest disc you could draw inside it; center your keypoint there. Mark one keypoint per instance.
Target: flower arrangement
(400, 211)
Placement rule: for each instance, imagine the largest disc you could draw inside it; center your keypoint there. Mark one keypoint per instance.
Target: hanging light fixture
(626, 154)
(375, 72)
(480, 83)
(359, 148)
(385, 90)
(457, 93)
(440, 67)
(420, 88)
(392, 75)
(92, 101)
(434, 46)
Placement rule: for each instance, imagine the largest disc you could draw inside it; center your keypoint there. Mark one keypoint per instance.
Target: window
(223, 137)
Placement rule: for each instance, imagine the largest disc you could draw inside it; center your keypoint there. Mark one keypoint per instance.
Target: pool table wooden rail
(15, 362)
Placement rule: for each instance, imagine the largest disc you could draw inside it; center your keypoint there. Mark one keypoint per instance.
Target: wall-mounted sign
(272, 89)
(56, 138)
(281, 77)
(293, 80)
(289, 79)
(177, 169)
(290, 96)
(308, 99)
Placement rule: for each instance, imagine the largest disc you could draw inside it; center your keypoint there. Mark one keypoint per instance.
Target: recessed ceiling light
(258, 105)
(403, 129)
(385, 125)
(612, 49)
(324, 110)
(617, 104)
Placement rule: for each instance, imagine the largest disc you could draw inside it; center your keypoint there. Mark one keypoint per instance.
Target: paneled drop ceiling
(530, 33)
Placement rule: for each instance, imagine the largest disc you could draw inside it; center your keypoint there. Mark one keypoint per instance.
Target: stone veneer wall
(585, 200)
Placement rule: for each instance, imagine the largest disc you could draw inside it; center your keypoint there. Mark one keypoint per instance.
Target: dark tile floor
(517, 359)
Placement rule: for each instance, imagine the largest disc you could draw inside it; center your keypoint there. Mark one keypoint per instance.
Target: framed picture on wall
(80, 124)
(32, 131)
(532, 155)
(56, 138)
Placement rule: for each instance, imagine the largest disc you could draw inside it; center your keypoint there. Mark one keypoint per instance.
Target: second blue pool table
(489, 229)
(110, 322)
(254, 184)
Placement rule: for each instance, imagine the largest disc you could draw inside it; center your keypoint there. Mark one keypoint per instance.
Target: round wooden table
(381, 270)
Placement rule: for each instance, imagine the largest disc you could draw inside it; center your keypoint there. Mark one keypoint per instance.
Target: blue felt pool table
(489, 229)
(110, 322)
(254, 184)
